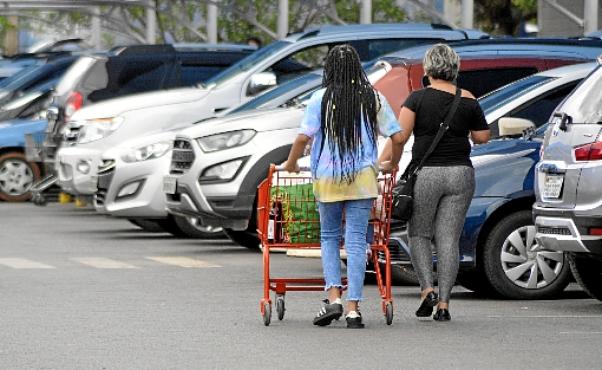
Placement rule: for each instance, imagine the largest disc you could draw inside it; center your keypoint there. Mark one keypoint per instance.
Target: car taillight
(589, 152)
(595, 231)
(74, 102)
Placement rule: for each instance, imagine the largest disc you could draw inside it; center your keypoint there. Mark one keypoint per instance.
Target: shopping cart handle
(301, 169)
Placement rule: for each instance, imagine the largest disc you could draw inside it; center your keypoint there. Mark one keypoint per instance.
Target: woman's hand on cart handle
(388, 167)
(289, 166)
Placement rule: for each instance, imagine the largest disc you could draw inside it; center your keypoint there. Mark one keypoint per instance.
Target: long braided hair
(348, 103)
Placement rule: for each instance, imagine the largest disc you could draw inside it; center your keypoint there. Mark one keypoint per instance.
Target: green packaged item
(300, 212)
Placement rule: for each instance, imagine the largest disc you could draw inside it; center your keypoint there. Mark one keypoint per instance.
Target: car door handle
(551, 168)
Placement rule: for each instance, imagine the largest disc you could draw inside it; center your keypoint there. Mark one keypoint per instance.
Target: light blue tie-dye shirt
(327, 184)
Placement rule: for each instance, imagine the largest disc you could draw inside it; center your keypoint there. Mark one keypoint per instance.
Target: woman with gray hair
(444, 186)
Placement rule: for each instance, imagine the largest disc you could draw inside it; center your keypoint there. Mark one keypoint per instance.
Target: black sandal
(427, 304)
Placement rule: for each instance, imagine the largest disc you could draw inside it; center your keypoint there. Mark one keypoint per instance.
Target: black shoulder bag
(403, 193)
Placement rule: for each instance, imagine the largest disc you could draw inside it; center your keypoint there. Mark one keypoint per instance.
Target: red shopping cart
(287, 218)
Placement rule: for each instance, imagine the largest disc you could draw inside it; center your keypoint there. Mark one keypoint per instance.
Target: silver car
(568, 208)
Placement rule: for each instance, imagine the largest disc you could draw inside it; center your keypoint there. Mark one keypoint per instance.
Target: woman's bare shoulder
(467, 94)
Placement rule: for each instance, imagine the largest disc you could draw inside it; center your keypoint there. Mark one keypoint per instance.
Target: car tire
(151, 226)
(588, 273)
(193, 229)
(244, 238)
(513, 262)
(475, 281)
(17, 175)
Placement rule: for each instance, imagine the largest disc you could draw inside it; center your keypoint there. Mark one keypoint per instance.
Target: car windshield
(310, 81)
(15, 82)
(501, 96)
(247, 63)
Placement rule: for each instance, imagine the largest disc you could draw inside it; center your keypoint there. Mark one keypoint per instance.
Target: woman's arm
(394, 145)
(480, 137)
(296, 152)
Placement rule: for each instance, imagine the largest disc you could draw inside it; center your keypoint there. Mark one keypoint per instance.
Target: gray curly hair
(441, 62)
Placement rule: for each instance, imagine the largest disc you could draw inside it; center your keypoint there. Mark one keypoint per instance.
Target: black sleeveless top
(431, 107)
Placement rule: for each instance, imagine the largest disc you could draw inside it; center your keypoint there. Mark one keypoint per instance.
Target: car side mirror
(511, 126)
(260, 82)
(52, 114)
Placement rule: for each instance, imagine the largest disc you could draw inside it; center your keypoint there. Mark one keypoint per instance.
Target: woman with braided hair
(344, 119)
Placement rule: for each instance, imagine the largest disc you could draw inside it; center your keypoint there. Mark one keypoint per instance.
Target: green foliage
(504, 16)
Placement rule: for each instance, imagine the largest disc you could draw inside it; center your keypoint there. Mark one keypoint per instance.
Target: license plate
(169, 185)
(553, 186)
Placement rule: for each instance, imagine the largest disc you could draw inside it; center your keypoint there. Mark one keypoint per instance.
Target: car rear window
(480, 82)
(125, 76)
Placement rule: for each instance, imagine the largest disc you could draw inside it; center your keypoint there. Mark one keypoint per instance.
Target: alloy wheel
(16, 177)
(526, 263)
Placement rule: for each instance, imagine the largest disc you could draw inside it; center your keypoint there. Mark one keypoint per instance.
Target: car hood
(12, 133)
(258, 120)
(114, 107)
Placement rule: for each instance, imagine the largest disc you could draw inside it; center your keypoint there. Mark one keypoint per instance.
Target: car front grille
(398, 255)
(105, 175)
(554, 230)
(182, 157)
(71, 135)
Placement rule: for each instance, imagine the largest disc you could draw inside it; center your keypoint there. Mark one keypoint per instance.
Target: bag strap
(442, 128)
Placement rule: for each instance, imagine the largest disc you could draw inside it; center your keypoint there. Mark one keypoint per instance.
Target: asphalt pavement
(79, 290)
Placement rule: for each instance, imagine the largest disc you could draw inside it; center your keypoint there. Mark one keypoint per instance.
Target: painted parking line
(22, 263)
(182, 261)
(581, 332)
(103, 263)
(548, 317)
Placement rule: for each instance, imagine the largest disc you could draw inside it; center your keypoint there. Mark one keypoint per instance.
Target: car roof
(330, 30)
(494, 46)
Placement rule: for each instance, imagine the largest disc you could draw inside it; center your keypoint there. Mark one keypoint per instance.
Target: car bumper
(133, 190)
(562, 230)
(77, 170)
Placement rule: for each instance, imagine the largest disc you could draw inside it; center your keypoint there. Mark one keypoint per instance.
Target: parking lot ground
(79, 290)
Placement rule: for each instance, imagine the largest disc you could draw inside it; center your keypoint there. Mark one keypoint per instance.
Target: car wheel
(16, 177)
(517, 266)
(243, 238)
(588, 273)
(151, 226)
(193, 228)
(475, 281)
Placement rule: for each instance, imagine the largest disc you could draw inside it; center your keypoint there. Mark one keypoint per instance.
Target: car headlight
(97, 128)
(147, 152)
(222, 171)
(226, 140)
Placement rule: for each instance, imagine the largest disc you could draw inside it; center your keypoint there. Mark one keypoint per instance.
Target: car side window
(192, 74)
(480, 82)
(540, 110)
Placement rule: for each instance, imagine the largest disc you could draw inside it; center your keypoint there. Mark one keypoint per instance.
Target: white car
(96, 128)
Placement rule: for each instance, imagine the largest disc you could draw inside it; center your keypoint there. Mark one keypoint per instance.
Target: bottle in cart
(275, 222)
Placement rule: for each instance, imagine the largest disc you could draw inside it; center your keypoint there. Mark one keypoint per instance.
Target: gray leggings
(441, 199)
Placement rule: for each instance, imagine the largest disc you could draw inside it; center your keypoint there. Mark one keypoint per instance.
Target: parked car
(131, 70)
(16, 173)
(22, 83)
(266, 68)
(568, 210)
(229, 202)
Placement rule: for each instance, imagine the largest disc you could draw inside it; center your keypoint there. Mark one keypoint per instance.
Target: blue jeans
(357, 213)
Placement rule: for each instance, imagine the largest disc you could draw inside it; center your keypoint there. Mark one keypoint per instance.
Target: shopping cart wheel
(267, 314)
(389, 312)
(280, 306)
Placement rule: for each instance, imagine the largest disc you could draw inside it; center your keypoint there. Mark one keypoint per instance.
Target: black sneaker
(328, 313)
(354, 320)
